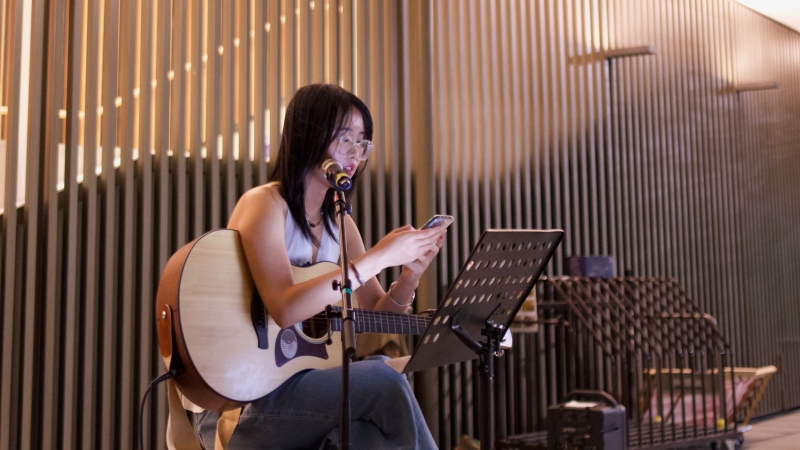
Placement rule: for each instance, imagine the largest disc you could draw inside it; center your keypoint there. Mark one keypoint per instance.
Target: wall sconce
(767, 85)
(631, 51)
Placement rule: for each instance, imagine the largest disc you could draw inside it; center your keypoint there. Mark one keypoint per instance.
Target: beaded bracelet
(413, 296)
(358, 275)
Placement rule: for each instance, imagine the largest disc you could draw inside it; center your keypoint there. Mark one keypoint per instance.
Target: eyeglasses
(348, 147)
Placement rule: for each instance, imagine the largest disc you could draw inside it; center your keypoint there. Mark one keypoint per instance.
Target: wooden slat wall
(506, 114)
(183, 102)
(653, 159)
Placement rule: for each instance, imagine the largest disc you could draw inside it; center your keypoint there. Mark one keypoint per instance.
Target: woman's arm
(260, 218)
(399, 298)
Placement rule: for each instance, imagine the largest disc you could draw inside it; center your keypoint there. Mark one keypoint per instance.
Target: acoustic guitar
(213, 328)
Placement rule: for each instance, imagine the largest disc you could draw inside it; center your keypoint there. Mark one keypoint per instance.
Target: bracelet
(413, 296)
(355, 272)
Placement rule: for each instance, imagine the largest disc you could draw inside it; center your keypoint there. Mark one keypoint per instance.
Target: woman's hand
(413, 271)
(409, 247)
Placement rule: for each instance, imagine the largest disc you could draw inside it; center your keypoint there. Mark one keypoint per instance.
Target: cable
(165, 376)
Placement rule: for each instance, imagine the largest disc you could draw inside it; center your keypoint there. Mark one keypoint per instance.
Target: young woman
(291, 221)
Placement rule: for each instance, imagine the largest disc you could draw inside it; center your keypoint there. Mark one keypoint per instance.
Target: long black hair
(313, 119)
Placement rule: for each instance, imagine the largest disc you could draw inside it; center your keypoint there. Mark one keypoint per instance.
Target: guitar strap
(180, 432)
(225, 426)
(181, 435)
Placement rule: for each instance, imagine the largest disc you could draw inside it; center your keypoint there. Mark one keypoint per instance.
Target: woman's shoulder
(261, 201)
(265, 195)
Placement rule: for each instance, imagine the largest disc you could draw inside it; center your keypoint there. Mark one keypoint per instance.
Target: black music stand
(482, 301)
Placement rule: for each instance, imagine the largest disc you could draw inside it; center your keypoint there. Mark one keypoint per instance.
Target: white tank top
(299, 247)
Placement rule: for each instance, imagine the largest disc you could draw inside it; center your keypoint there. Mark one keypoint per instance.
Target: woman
(291, 221)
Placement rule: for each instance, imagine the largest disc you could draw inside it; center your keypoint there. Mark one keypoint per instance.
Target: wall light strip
(631, 51)
(763, 86)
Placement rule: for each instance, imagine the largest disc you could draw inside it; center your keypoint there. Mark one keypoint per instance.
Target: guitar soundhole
(316, 327)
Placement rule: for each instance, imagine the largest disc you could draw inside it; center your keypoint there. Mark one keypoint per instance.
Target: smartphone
(437, 221)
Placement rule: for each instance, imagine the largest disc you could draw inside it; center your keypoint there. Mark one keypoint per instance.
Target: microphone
(336, 175)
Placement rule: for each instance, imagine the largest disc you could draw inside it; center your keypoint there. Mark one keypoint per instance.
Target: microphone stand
(348, 322)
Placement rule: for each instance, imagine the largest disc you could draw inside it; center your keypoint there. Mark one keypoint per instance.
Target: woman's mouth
(350, 169)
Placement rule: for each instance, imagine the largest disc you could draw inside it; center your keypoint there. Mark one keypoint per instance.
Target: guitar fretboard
(383, 322)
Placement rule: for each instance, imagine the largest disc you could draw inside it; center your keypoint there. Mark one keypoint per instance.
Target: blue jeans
(303, 413)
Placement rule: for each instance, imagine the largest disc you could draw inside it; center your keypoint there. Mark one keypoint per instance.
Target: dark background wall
(507, 114)
(664, 160)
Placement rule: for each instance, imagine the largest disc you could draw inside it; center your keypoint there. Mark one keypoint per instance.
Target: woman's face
(349, 145)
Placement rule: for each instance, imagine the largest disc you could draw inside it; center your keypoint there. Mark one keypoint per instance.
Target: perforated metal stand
(493, 283)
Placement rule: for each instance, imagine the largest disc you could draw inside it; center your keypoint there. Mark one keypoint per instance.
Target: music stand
(488, 292)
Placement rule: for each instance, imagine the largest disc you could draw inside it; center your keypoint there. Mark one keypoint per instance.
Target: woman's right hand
(405, 245)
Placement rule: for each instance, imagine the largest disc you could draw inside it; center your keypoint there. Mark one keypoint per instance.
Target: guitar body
(206, 327)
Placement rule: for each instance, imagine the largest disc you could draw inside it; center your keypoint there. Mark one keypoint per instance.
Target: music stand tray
(493, 283)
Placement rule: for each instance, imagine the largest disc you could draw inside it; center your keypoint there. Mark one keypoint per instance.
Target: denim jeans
(303, 413)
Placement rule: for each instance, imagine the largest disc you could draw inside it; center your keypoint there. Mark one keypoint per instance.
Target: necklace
(313, 225)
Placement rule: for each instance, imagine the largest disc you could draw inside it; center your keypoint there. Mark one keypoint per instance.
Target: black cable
(165, 376)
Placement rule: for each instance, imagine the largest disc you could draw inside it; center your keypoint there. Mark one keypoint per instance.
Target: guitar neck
(382, 322)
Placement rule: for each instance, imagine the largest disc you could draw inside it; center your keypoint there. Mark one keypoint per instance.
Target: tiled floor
(774, 433)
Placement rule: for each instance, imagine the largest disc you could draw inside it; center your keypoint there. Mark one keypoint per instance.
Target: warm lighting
(3, 109)
(631, 51)
(786, 12)
(283, 18)
(236, 42)
(267, 26)
(220, 49)
(312, 5)
(187, 66)
(99, 110)
(81, 115)
(118, 101)
(135, 92)
(62, 113)
(170, 75)
(765, 86)
(153, 83)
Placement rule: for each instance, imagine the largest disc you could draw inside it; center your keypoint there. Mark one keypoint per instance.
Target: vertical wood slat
(51, 358)
(244, 95)
(226, 106)
(71, 254)
(197, 79)
(91, 251)
(37, 187)
(9, 381)
(129, 392)
(108, 185)
(145, 210)
(178, 79)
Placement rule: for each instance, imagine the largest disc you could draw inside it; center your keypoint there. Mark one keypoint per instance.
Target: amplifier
(587, 420)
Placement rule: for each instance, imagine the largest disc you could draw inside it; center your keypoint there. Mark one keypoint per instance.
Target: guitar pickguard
(288, 346)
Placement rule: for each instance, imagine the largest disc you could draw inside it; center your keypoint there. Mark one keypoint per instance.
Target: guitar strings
(378, 319)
